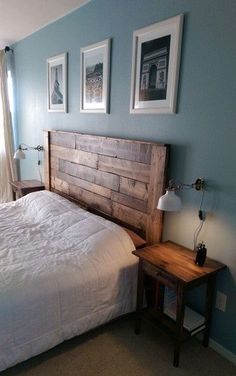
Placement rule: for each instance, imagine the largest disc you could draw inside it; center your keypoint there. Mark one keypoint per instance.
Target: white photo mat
(95, 77)
(155, 67)
(57, 83)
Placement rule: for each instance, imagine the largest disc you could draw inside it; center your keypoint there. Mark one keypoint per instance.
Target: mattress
(63, 271)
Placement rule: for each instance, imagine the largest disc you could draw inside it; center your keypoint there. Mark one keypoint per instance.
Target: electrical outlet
(221, 301)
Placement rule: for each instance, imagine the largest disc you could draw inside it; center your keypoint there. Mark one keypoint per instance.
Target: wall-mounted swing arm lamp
(170, 201)
(19, 154)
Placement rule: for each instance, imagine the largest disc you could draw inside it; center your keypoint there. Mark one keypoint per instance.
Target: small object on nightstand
(23, 187)
(201, 254)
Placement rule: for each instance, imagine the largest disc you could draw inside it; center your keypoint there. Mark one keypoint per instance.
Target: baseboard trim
(219, 349)
(222, 351)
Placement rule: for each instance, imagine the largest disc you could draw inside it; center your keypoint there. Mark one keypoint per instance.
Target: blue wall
(202, 133)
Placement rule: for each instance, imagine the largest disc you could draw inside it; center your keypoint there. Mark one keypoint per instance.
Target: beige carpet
(115, 350)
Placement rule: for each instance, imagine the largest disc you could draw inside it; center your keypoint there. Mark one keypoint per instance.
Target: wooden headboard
(118, 178)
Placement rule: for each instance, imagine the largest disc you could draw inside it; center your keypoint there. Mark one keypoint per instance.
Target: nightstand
(23, 187)
(172, 266)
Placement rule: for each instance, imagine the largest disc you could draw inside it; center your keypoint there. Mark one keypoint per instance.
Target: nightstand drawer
(159, 275)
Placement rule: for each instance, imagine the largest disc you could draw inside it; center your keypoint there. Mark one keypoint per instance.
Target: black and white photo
(57, 83)
(154, 69)
(94, 77)
(155, 66)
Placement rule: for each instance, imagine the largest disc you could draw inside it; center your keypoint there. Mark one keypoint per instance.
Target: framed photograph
(57, 83)
(155, 67)
(94, 77)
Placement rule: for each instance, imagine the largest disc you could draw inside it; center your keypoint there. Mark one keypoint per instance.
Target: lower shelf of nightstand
(159, 318)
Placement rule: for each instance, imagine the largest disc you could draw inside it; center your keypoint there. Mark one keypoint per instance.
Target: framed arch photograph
(155, 67)
(57, 83)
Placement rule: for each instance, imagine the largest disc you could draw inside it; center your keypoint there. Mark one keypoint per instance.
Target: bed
(64, 268)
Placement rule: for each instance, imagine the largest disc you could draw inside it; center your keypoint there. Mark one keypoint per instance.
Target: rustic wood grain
(119, 148)
(66, 139)
(129, 201)
(59, 185)
(134, 151)
(122, 167)
(134, 188)
(96, 144)
(118, 178)
(156, 189)
(91, 199)
(129, 215)
(54, 163)
(179, 264)
(90, 174)
(95, 188)
(76, 156)
(47, 160)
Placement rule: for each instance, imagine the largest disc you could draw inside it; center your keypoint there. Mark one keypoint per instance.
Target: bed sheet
(63, 271)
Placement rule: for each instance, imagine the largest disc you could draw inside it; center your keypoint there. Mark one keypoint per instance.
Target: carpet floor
(114, 350)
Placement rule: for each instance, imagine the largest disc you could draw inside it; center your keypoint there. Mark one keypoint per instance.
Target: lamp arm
(174, 185)
(38, 147)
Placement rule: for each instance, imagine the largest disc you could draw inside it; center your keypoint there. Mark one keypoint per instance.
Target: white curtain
(7, 163)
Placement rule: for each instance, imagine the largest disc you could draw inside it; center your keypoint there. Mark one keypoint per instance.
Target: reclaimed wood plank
(119, 178)
(47, 160)
(54, 163)
(70, 198)
(131, 202)
(65, 139)
(156, 188)
(91, 199)
(59, 185)
(98, 189)
(96, 144)
(134, 151)
(134, 188)
(157, 183)
(76, 156)
(138, 151)
(130, 216)
(90, 174)
(134, 170)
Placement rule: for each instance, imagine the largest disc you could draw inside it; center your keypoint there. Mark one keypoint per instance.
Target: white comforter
(63, 271)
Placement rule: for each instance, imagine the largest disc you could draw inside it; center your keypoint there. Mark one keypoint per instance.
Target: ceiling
(20, 18)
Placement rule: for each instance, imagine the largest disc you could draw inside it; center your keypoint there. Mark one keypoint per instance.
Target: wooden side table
(23, 187)
(173, 266)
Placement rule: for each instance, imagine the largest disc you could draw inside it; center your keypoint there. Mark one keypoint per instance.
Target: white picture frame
(57, 83)
(155, 67)
(95, 77)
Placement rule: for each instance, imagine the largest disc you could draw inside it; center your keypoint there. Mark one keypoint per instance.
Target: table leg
(179, 323)
(208, 308)
(14, 195)
(140, 291)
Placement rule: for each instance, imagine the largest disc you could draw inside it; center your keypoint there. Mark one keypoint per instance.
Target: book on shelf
(193, 321)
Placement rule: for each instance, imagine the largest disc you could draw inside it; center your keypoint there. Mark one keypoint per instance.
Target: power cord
(202, 217)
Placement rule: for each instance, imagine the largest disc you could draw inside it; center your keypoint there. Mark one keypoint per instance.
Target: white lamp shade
(19, 154)
(169, 202)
